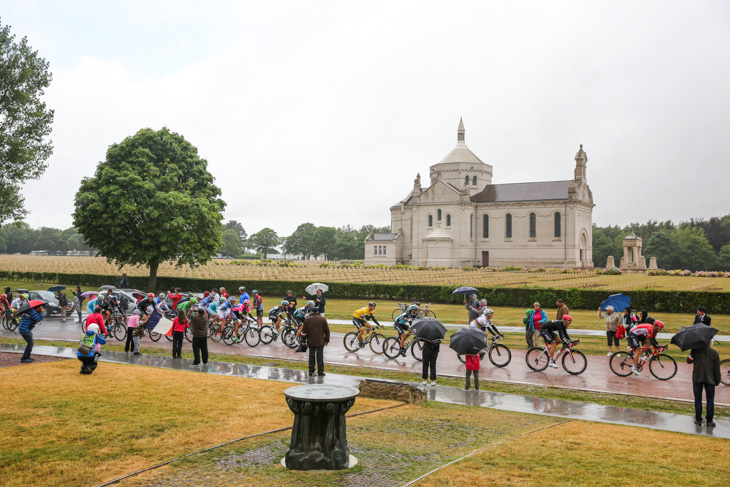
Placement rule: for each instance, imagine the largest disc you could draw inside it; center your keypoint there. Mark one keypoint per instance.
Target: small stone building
(462, 219)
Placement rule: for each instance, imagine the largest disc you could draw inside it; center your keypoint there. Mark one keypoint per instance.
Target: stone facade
(462, 219)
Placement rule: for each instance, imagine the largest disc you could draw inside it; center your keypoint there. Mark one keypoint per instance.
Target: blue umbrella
(618, 301)
(465, 290)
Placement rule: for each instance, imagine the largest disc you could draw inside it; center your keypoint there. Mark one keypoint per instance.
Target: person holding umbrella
(32, 313)
(78, 302)
(472, 306)
(429, 331)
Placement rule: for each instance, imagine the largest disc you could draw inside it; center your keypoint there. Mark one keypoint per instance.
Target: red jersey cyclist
(643, 333)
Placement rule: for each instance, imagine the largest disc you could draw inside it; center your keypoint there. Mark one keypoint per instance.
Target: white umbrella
(317, 286)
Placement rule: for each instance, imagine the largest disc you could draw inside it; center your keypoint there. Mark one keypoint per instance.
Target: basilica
(462, 219)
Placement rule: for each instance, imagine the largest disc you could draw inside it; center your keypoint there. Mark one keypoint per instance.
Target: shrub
(613, 271)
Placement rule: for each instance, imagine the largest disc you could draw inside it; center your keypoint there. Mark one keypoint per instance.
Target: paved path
(597, 377)
(495, 400)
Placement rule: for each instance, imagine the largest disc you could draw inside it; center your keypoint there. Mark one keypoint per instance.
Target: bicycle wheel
(350, 342)
(120, 332)
(289, 338)
(266, 334)
(396, 313)
(500, 355)
(5, 321)
(537, 359)
(14, 324)
(574, 362)
(252, 336)
(228, 335)
(376, 343)
(189, 334)
(417, 349)
(216, 334)
(430, 314)
(663, 367)
(154, 336)
(725, 371)
(621, 364)
(391, 347)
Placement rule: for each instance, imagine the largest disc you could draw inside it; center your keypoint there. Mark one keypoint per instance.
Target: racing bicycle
(574, 362)
(500, 355)
(374, 339)
(661, 365)
(392, 348)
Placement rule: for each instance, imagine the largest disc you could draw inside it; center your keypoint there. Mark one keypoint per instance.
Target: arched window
(471, 226)
(375, 250)
(485, 226)
(448, 220)
(385, 250)
(438, 215)
(533, 225)
(558, 225)
(430, 220)
(466, 179)
(474, 180)
(508, 226)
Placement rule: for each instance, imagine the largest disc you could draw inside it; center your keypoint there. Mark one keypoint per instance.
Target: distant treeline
(694, 245)
(21, 239)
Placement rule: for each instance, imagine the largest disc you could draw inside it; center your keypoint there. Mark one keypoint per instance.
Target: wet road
(597, 377)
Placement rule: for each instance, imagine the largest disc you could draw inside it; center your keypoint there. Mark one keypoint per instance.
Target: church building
(462, 219)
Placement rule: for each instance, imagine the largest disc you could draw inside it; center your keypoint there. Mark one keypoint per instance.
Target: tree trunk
(152, 283)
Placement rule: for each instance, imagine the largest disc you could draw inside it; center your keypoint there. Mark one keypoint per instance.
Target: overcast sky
(325, 111)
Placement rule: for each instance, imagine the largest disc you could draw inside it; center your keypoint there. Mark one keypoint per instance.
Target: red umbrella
(30, 304)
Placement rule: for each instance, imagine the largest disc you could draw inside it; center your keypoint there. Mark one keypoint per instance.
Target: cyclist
(548, 330)
(91, 305)
(258, 305)
(403, 325)
(108, 307)
(5, 306)
(640, 333)
(485, 323)
(161, 302)
(205, 302)
(276, 313)
(360, 320)
(292, 303)
(143, 305)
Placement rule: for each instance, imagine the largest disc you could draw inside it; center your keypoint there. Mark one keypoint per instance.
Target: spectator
(537, 318)
(258, 304)
(77, 306)
(612, 322)
(316, 330)
(430, 355)
(199, 328)
(132, 342)
(472, 306)
(124, 282)
(9, 294)
(28, 321)
(472, 365)
(175, 298)
(62, 302)
(562, 309)
(645, 318)
(706, 375)
(96, 317)
(319, 302)
(702, 317)
(629, 319)
(91, 342)
(179, 325)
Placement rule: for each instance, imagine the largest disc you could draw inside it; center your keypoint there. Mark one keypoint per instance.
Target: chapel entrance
(485, 258)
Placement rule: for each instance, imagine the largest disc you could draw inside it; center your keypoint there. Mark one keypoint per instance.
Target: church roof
(384, 237)
(461, 153)
(538, 191)
(438, 234)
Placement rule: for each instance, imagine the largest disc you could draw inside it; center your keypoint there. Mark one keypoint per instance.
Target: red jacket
(177, 326)
(175, 298)
(95, 318)
(472, 362)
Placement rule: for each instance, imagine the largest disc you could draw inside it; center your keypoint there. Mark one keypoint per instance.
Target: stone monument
(632, 261)
(652, 264)
(610, 264)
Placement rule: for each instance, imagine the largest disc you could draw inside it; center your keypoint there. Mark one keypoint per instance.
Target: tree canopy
(264, 241)
(25, 120)
(151, 200)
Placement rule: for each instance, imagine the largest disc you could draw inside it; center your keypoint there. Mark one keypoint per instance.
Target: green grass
(668, 406)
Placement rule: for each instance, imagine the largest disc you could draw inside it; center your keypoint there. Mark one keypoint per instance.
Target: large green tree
(231, 244)
(301, 241)
(25, 121)
(264, 241)
(151, 200)
(234, 225)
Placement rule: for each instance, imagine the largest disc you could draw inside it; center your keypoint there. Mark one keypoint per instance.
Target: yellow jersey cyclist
(360, 320)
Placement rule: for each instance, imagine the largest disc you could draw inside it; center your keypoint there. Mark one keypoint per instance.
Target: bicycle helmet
(93, 327)
(310, 304)
(5, 296)
(413, 307)
(241, 289)
(206, 294)
(162, 296)
(193, 300)
(372, 303)
(285, 303)
(567, 318)
(255, 292)
(488, 311)
(659, 324)
(232, 299)
(151, 296)
(222, 300)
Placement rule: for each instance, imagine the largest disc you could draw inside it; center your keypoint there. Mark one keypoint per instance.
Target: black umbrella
(429, 329)
(469, 341)
(23, 308)
(695, 336)
(59, 287)
(465, 290)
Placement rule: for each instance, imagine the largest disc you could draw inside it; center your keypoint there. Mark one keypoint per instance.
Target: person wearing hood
(88, 349)
(472, 306)
(28, 321)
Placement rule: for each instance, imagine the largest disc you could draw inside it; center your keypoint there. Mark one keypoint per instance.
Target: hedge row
(664, 301)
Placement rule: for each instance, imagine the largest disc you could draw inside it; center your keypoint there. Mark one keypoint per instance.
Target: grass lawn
(58, 427)
(581, 453)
